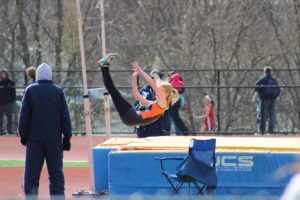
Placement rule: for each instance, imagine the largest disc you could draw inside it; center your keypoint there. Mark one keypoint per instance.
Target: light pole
(106, 94)
(86, 101)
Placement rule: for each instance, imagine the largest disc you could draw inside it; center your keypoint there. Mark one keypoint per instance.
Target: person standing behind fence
(178, 84)
(30, 72)
(7, 98)
(209, 114)
(45, 130)
(268, 96)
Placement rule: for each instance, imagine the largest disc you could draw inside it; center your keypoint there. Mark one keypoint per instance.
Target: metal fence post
(219, 101)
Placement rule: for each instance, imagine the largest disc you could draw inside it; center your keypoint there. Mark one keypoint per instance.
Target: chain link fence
(231, 89)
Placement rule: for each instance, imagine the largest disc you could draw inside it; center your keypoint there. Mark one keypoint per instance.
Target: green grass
(20, 163)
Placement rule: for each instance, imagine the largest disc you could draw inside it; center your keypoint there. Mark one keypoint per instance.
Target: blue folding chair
(197, 167)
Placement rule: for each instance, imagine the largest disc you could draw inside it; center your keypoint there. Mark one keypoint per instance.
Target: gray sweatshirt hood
(44, 72)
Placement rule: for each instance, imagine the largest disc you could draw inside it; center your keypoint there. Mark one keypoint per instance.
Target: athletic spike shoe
(105, 61)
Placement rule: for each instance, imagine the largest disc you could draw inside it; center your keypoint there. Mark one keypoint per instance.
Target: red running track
(76, 178)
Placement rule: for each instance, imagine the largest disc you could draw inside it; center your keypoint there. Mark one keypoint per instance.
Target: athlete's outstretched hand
(136, 66)
(135, 74)
(136, 69)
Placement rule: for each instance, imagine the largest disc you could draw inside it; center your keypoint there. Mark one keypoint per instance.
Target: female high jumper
(165, 93)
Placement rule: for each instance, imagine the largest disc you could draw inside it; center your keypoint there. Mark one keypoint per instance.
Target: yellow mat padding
(224, 144)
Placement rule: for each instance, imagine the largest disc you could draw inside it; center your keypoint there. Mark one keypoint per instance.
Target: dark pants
(267, 113)
(150, 130)
(180, 127)
(7, 110)
(120, 103)
(165, 122)
(36, 153)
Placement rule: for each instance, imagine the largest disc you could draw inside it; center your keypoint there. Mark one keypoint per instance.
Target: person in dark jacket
(7, 98)
(267, 96)
(178, 84)
(45, 130)
(160, 127)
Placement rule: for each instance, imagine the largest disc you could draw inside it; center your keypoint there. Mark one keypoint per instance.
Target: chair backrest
(203, 150)
(200, 163)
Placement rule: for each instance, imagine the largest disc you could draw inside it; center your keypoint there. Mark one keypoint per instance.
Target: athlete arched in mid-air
(166, 95)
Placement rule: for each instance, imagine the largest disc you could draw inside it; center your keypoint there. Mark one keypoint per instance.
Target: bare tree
(22, 36)
(36, 32)
(58, 38)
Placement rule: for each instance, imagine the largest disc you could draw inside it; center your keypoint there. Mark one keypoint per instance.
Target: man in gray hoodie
(45, 130)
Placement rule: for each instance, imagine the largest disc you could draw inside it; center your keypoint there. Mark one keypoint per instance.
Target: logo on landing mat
(234, 163)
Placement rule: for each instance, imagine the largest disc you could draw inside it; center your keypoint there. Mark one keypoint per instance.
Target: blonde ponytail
(172, 96)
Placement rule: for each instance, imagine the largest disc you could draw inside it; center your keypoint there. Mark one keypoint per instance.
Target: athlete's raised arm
(161, 97)
(135, 91)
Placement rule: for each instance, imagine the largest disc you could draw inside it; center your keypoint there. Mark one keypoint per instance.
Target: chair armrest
(169, 158)
(162, 159)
